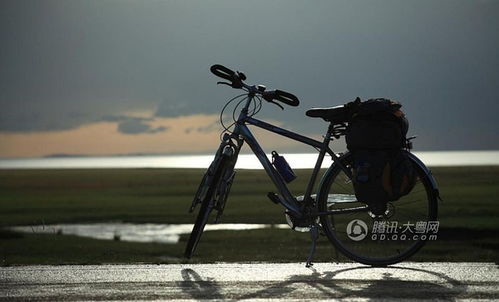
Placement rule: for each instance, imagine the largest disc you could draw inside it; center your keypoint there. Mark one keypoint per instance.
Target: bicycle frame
(288, 201)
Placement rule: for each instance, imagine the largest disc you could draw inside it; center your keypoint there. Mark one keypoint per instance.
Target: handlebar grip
(223, 72)
(287, 98)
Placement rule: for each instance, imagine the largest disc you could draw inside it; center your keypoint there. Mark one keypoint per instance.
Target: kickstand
(314, 234)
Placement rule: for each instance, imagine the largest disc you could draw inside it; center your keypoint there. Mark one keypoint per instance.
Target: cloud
(123, 118)
(133, 124)
(138, 127)
(32, 117)
(103, 138)
(169, 109)
(212, 127)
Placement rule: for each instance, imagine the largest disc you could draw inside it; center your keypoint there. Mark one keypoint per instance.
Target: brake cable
(226, 128)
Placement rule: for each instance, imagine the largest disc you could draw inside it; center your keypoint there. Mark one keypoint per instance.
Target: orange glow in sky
(183, 135)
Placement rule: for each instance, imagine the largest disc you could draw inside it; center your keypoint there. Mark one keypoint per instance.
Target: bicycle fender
(427, 170)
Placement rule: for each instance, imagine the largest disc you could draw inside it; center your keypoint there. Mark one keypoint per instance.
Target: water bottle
(282, 166)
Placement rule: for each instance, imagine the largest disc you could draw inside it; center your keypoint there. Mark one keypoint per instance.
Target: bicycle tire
(421, 202)
(207, 206)
(200, 193)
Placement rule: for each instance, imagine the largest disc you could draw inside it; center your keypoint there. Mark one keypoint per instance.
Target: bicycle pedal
(273, 197)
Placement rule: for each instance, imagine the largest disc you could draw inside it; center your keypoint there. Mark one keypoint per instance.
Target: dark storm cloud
(133, 125)
(69, 63)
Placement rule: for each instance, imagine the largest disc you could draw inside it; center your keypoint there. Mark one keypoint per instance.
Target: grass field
(468, 214)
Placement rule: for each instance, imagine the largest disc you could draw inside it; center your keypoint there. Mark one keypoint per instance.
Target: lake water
(245, 161)
(161, 233)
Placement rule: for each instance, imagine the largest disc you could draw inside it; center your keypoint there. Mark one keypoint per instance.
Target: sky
(125, 77)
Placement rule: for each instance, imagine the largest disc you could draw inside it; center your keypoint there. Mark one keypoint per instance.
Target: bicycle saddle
(336, 115)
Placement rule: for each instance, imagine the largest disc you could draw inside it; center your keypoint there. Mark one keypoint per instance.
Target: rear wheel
(406, 227)
(208, 194)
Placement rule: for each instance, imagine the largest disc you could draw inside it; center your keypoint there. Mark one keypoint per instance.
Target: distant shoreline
(245, 161)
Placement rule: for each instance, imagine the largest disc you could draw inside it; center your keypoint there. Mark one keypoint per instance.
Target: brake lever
(277, 104)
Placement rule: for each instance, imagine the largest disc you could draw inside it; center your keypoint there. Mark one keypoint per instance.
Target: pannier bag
(375, 136)
(377, 124)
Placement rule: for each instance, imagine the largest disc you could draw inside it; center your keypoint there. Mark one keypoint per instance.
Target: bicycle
(334, 211)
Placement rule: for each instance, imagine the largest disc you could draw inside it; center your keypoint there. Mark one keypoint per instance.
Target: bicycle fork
(230, 150)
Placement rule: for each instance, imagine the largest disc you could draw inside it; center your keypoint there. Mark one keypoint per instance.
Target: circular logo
(357, 230)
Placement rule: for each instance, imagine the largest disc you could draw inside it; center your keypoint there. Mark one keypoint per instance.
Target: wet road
(233, 282)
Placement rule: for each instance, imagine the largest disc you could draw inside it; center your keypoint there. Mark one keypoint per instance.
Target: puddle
(161, 233)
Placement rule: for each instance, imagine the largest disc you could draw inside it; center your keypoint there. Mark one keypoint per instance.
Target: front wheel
(208, 194)
(409, 223)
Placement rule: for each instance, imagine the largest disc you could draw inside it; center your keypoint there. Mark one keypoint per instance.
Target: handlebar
(281, 96)
(237, 79)
(222, 71)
